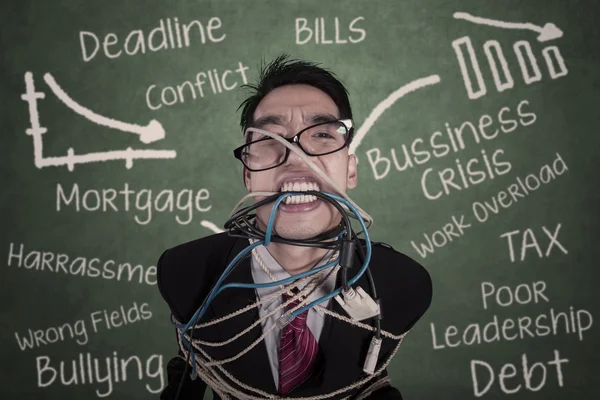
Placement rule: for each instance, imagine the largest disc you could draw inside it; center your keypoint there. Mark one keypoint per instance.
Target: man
(315, 354)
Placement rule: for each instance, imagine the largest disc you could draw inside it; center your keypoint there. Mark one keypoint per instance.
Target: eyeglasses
(263, 152)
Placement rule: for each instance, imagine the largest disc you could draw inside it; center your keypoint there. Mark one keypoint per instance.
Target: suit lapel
(343, 347)
(253, 367)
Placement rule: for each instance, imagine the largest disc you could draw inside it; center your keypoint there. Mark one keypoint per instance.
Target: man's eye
(322, 135)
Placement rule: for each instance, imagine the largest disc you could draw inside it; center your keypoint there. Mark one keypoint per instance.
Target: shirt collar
(279, 273)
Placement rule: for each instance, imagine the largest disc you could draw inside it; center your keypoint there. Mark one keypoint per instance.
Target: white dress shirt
(315, 319)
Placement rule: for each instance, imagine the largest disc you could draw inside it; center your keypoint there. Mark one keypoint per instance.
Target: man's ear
(352, 177)
(247, 179)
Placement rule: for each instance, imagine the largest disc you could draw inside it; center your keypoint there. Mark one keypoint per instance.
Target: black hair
(284, 71)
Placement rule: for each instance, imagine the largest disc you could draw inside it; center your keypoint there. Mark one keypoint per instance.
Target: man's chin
(297, 232)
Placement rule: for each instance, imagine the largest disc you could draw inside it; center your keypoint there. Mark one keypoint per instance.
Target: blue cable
(367, 238)
(313, 271)
(201, 310)
(360, 272)
(280, 282)
(272, 217)
(267, 240)
(217, 289)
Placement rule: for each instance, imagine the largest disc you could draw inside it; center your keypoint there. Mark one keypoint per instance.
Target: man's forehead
(295, 102)
(285, 119)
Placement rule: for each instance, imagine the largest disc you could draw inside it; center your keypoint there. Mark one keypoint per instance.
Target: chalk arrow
(148, 134)
(387, 103)
(546, 32)
(212, 226)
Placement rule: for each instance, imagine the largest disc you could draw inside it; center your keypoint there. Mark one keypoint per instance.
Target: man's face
(287, 110)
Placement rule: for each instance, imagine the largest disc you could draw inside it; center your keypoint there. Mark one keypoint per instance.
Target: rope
(219, 385)
(205, 364)
(300, 295)
(381, 383)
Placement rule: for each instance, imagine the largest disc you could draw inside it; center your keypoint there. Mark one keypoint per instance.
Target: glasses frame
(347, 123)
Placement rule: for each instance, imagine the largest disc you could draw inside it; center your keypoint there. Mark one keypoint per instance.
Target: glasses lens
(263, 153)
(324, 138)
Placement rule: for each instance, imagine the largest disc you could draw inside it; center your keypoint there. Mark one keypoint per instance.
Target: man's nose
(294, 158)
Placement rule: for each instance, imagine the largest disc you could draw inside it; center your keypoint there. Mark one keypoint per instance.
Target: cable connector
(372, 356)
(358, 304)
(284, 320)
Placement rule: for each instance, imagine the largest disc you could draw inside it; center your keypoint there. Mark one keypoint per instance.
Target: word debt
(103, 373)
(512, 378)
(169, 34)
(205, 82)
(306, 31)
(78, 331)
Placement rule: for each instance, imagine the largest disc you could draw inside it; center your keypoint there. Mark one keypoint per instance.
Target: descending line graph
(387, 103)
(148, 134)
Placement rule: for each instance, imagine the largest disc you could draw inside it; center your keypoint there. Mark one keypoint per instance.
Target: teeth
(299, 199)
(299, 186)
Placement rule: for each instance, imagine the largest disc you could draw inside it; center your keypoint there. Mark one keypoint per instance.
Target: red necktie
(297, 352)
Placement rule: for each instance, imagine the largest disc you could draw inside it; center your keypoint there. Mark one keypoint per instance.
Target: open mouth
(299, 187)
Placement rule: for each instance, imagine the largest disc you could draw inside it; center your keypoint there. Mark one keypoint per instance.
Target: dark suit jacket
(186, 274)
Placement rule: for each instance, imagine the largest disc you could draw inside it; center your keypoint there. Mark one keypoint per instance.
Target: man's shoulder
(206, 243)
(185, 271)
(404, 287)
(196, 255)
(397, 264)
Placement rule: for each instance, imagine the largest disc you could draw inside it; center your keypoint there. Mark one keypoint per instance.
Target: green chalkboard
(478, 157)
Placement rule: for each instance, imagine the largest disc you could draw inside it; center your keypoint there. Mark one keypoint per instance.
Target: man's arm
(176, 368)
(408, 298)
(386, 393)
(382, 389)
(190, 389)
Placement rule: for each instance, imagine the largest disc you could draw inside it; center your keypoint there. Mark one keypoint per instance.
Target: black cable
(239, 225)
(187, 361)
(229, 224)
(243, 224)
(345, 279)
(379, 317)
(347, 244)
